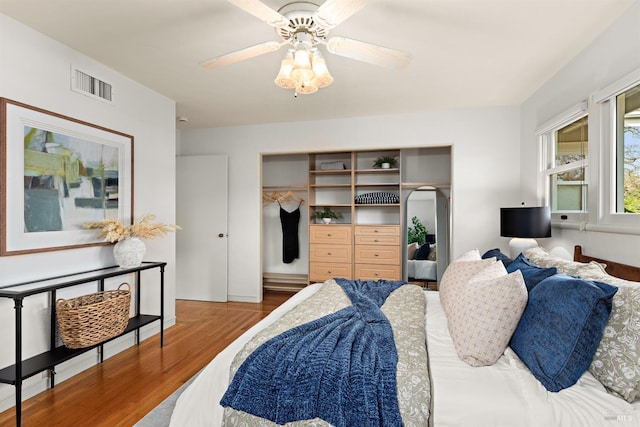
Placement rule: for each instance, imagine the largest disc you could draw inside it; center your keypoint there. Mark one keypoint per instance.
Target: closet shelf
(378, 170)
(330, 185)
(378, 184)
(330, 172)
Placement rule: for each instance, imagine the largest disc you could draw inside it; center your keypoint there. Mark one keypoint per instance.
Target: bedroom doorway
(427, 235)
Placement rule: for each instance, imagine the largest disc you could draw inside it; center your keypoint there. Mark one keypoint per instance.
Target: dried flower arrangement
(113, 230)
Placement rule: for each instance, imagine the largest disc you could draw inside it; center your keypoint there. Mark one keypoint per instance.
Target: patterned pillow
(484, 314)
(432, 253)
(532, 273)
(561, 327)
(616, 363)
(471, 255)
(459, 273)
(540, 257)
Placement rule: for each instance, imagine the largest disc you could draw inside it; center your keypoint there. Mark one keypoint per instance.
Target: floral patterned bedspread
(404, 308)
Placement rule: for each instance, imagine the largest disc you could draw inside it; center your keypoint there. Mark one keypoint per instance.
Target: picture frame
(57, 173)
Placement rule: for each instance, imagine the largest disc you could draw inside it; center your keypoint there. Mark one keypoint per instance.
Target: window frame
(545, 134)
(604, 107)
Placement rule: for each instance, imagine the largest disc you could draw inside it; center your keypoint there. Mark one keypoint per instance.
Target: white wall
(484, 174)
(611, 56)
(35, 70)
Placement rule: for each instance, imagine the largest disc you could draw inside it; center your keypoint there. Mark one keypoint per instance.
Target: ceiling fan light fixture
(304, 70)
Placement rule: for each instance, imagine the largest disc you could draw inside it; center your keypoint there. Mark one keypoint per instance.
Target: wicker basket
(91, 319)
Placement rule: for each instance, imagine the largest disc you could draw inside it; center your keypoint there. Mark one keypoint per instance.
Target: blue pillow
(531, 273)
(423, 251)
(499, 256)
(561, 327)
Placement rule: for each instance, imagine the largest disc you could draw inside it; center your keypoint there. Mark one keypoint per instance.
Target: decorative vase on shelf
(326, 220)
(129, 252)
(386, 166)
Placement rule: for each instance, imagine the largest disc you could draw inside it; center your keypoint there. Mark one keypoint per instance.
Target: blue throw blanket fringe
(340, 368)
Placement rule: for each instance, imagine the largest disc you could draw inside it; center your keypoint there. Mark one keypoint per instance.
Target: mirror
(426, 235)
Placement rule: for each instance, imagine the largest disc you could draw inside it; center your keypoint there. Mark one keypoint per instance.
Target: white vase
(326, 220)
(129, 252)
(386, 166)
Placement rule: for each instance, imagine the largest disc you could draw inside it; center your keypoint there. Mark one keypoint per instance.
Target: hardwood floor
(127, 386)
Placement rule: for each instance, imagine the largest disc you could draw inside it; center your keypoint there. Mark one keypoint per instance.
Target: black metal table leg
(18, 308)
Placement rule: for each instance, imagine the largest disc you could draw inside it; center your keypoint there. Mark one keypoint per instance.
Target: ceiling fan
(303, 25)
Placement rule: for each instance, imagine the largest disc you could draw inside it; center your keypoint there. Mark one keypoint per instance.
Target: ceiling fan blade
(242, 54)
(333, 12)
(261, 11)
(368, 52)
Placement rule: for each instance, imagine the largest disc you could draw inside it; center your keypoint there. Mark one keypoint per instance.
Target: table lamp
(524, 224)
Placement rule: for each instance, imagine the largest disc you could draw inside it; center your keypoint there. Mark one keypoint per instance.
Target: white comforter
(505, 394)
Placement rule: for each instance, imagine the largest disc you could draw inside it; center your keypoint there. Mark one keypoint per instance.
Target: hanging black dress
(290, 245)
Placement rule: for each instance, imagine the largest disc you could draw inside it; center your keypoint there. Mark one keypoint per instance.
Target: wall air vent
(89, 85)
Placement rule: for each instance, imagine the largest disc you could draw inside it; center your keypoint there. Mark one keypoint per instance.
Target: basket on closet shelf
(91, 319)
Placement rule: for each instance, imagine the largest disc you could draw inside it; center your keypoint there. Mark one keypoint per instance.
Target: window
(564, 168)
(617, 108)
(627, 130)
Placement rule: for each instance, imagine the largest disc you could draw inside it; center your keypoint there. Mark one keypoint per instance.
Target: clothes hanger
(290, 195)
(271, 197)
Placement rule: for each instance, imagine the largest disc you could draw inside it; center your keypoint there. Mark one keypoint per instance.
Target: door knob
(221, 235)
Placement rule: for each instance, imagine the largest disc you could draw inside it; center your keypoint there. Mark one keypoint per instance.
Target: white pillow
(459, 273)
(471, 255)
(412, 249)
(484, 313)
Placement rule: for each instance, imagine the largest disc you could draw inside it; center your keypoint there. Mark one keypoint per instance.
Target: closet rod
(285, 187)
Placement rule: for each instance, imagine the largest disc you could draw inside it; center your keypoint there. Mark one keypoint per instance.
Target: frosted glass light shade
(302, 71)
(322, 76)
(307, 88)
(284, 79)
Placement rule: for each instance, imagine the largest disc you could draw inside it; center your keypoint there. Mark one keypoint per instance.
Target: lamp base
(517, 245)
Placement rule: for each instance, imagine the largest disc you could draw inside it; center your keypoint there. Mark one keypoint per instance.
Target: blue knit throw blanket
(340, 368)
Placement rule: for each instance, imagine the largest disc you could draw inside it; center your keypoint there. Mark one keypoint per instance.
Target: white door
(201, 245)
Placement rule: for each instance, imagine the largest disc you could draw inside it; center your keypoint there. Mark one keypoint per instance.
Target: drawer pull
(377, 274)
(328, 253)
(375, 231)
(377, 255)
(328, 234)
(328, 271)
(376, 240)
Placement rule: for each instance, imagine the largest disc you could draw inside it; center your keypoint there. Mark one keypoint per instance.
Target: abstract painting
(58, 173)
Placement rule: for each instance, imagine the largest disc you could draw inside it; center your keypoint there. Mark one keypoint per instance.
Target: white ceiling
(466, 53)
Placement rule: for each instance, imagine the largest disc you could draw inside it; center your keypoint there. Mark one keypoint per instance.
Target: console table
(26, 368)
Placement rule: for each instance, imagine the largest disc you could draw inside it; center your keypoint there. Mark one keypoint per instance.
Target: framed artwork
(57, 173)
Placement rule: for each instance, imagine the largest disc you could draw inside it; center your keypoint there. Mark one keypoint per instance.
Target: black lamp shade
(525, 222)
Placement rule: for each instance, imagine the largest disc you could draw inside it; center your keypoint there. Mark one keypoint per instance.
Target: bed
(424, 268)
(448, 391)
